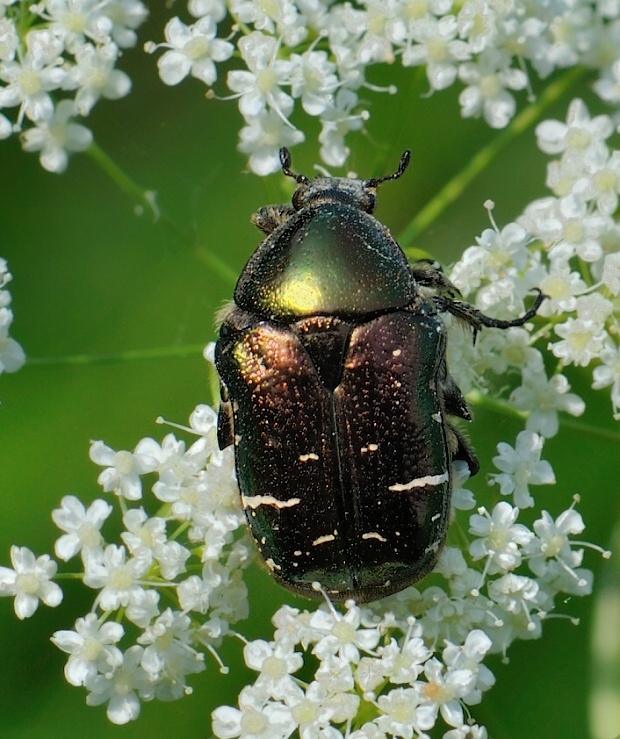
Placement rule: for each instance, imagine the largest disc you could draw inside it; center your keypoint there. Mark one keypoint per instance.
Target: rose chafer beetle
(336, 394)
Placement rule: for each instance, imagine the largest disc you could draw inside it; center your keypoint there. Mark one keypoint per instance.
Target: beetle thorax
(335, 190)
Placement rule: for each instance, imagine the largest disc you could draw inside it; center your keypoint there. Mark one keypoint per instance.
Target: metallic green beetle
(336, 394)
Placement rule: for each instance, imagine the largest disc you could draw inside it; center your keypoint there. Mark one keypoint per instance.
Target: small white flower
(258, 87)
(255, 718)
(314, 80)
(343, 635)
(118, 578)
(500, 540)
(436, 45)
(580, 133)
(521, 467)
(57, 137)
(123, 468)
(561, 286)
(143, 607)
(90, 648)
(469, 656)
(275, 663)
(338, 120)
(29, 581)
(611, 273)
(83, 526)
(169, 655)
(516, 595)
(608, 373)
(583, 340)
(192, 50)
(403, 711)
(9, 40)
(125, 16)
(553, 559)
(262, 139)
(28, 84)
(488, 80)
(543, 398)
(12, 357)
(94, 76)
(121, 687)
(280, 19)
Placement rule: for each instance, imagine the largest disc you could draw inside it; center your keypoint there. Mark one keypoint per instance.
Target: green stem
(502, 408)
(146, 201)
(453, 189)
(185, 350)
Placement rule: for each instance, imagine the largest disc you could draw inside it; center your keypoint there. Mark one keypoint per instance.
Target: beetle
(336, 394)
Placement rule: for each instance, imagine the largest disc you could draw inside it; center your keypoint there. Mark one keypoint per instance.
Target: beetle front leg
(477, 320)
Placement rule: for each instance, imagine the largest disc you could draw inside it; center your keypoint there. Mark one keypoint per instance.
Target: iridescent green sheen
(327, 260)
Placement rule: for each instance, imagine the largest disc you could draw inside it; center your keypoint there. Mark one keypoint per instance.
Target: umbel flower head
(170, 588)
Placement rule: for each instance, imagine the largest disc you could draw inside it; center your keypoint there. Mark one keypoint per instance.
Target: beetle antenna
(402, 166)
(285, 161)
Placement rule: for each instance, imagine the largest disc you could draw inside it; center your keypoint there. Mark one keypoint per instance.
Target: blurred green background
(92, 279)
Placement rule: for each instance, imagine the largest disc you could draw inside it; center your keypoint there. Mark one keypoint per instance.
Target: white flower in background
(521, 467)
(57, 137)
(94, 76)
(29, 581)
(28, 83)
(12, 356)
(488, 82)
(259, 86)
(57, 59)
(192, 50)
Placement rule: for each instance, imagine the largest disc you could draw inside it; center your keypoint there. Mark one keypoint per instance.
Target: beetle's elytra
(336, 394)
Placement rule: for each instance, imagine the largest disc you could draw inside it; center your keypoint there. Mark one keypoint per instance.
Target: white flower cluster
(396, 667)
(576, 263)
(57, 59)
(12, 356)
(187, 551)
(318, 54)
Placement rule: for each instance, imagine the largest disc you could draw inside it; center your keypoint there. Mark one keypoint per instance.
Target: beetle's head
(358, 193)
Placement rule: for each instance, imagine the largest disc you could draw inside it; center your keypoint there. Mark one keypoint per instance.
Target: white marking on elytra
(297, 552)
(323, 539)
(253, 501)
(435, 517)
(436, 416)
(420, 482)
(272, 565)
(369, 448)
(373, 535)
(434, 547)
(307, 457)
(397, 352)
(237, 439)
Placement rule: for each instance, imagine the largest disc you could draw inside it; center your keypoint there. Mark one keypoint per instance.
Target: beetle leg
(452, 398)
(269, 217)
(225, 429)
(477, 320)
(428, 274)
(460, 448)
